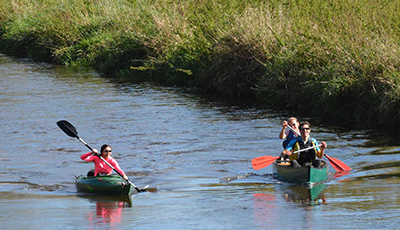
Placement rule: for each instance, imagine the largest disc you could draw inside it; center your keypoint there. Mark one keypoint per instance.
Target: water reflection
(340, 174)
(108, 212)
(298, 193)
(108, 209)
(266, 210)
(270, 211)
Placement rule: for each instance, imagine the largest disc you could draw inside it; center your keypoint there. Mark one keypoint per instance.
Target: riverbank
(338, 60)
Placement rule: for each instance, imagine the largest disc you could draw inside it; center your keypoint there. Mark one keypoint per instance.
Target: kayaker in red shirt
(99, 165)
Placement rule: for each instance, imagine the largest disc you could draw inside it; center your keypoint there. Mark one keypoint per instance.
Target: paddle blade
(340, 174)
(68, 128)
(336, 167)
(262, 162)
(337, 164)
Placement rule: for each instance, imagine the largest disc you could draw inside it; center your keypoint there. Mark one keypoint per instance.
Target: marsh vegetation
(336, 59)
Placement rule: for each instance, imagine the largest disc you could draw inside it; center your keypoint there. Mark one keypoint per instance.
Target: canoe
(107, 185)
(301, 175)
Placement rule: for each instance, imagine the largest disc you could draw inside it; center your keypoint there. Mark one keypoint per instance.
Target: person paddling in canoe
(100, 167)
(289, 134)
(304, 158)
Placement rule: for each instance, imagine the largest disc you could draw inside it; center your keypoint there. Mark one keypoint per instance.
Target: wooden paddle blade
(262, 162)
(68, 128)
(337, 164)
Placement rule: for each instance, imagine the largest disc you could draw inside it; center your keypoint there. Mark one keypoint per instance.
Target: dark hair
(104, 147)
(304, 123)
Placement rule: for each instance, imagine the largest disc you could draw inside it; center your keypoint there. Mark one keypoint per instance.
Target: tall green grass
(338, 59)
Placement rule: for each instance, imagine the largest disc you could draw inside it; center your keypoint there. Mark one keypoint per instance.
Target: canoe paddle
(336, 164)
(70, 130)
(264, 161)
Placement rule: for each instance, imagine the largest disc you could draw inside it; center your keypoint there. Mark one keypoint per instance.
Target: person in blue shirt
(308, 157)
(289, 134)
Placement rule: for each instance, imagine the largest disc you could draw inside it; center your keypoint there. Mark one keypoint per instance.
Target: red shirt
(100, 166)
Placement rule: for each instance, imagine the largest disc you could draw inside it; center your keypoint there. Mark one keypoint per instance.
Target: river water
(197, 154)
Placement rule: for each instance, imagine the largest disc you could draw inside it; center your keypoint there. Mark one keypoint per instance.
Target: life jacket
(306, 156)
(289, 138)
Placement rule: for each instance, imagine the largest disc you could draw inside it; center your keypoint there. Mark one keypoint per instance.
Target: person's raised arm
(321, 152)
(282, 134)
(87, 156)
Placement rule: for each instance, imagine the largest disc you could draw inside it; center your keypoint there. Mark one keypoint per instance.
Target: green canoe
(107, 185)
(301, 175)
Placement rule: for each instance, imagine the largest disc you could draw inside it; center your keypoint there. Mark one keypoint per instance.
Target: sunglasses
(304, 129)
(107, 151)
(292, 125)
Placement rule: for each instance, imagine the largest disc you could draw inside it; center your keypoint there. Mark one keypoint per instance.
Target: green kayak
(107, 185)
(301, 175)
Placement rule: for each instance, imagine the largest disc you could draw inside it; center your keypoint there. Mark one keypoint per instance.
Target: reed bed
(336, 59)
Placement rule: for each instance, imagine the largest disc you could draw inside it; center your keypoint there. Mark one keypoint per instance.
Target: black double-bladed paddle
(70, 130)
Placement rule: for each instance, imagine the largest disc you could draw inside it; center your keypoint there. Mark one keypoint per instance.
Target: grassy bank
(337, 59)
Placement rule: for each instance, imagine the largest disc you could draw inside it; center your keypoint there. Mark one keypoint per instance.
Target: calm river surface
(197, 153)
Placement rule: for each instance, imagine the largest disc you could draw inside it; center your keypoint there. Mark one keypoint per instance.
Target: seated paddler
(308, 157)
(100, 167)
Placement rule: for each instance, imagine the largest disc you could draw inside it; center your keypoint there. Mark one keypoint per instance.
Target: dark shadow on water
(382, 165)
(18, 185)
(378, 176)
